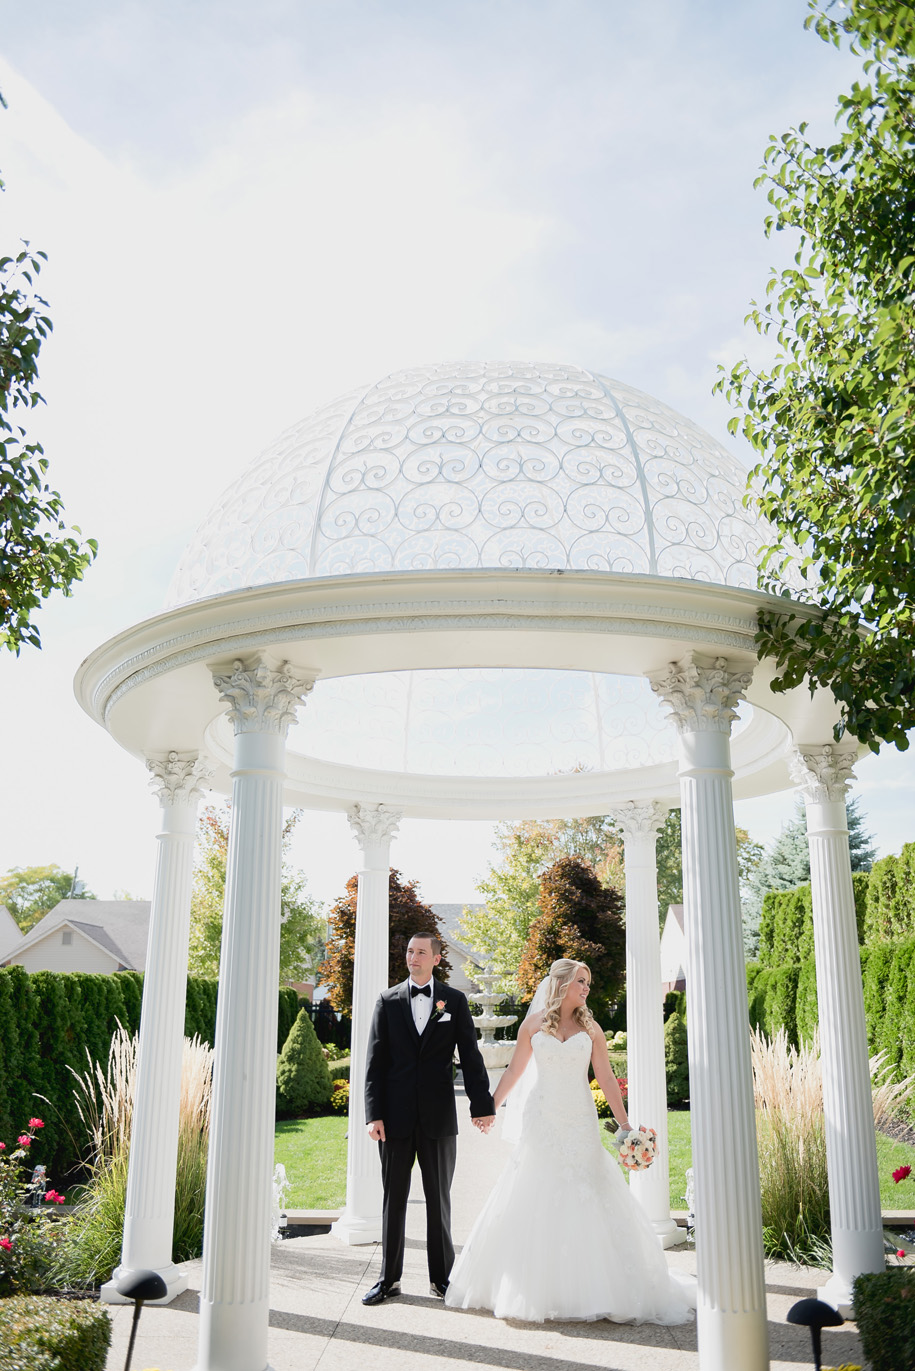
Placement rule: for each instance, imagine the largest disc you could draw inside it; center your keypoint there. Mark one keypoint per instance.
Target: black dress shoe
(381, 1290)
(438, 1288)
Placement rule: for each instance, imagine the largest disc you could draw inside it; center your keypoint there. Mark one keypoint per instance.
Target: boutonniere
(439, 1009)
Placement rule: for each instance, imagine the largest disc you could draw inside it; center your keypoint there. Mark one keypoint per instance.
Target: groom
(410, 1108)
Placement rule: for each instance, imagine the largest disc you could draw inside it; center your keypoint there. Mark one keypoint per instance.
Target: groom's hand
(376, 1130)
(485, 1123)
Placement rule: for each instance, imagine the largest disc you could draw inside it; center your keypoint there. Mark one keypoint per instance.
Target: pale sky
(248, 210)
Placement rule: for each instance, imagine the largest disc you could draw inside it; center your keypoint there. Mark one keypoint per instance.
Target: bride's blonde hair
(562, 974)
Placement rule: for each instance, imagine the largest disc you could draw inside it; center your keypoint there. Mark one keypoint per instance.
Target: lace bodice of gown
(559, 1115)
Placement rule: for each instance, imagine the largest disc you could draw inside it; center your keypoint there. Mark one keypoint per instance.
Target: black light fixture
(139, 1286)
(815, 1315)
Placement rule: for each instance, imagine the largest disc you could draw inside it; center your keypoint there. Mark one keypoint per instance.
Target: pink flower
(6, 1244)
(52, 1197)
(902, 1173)
(440, 1005)
(2, 1147)
(24, 1140)
(900, 1252)
(35, 1123)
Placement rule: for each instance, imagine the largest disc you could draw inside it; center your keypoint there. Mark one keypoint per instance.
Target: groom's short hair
(432, 938)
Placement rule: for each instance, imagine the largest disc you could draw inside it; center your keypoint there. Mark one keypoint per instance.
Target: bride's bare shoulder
(532, 1024)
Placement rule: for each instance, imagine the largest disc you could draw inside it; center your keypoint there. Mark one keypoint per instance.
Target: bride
(560, 1237)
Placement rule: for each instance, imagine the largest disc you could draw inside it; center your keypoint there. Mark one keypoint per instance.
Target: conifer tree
(302, 1077)
(786, 865)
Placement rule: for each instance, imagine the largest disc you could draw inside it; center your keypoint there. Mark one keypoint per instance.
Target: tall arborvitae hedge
(781, 986)
(50, 1020)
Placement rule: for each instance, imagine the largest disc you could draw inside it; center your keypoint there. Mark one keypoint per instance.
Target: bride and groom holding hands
(560, 1236)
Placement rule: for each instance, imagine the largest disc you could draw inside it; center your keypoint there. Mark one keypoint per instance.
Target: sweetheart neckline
(582, 1033)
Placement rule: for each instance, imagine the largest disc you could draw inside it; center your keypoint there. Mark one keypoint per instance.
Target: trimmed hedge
(884, 1304)
(786, 922)
(890, 915)
(48, 1020)
(40, 1333)
(786, 997)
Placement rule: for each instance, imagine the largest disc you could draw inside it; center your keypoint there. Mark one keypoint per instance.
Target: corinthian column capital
(374, 823)
(262, 700)
(639, 818)
(822, 773)
(174, 779)
(701, 693)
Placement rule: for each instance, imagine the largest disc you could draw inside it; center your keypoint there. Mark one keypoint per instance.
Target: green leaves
(38, 552)
(833, 419)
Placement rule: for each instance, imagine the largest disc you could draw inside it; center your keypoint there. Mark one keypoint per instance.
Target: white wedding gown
(560, 1237)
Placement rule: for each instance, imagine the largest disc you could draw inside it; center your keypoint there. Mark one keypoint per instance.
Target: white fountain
(495, 1054)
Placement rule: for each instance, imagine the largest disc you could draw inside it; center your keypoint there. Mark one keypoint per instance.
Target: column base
(175, 1279)
(837, 1292)
(668, 1232)
(732, 1338)
(357, 1230)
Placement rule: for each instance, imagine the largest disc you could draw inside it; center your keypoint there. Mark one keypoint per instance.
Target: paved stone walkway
(319, 1324)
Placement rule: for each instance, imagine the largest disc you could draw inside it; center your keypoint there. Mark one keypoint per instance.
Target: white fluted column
(149, 1212)
(823, 774)
(234, 1301)
(731, 1318)
(374, 825)
(647, 1100)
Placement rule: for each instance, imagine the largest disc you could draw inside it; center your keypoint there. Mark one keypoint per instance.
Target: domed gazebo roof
(471, 465)
(480, 565)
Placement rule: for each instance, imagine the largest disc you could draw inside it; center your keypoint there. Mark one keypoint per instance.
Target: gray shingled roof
(121, 927)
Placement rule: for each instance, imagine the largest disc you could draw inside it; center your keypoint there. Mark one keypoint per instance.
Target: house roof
(120, 927)
(10, 932)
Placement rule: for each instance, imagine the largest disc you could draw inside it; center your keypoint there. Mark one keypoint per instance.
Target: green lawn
(313, 1152)
(680, 1148)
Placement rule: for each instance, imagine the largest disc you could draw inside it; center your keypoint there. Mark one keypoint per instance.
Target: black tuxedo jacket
(408, 1075)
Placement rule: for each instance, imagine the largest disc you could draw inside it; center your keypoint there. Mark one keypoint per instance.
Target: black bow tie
(420, 990)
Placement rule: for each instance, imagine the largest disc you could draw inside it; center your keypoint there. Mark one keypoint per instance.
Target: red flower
(900, 1252)
(2, 1147)
(24, 1140)
(36, 1123)
(52, 1197)
(6, 1244)
(901, 1173)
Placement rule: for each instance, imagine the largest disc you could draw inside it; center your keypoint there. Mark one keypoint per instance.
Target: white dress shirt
(421, 1005)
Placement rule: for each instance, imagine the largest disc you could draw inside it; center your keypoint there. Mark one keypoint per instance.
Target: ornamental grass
(92, 1246)
(791, 1135)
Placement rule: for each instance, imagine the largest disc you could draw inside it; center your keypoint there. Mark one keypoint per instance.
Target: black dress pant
(436, 1158)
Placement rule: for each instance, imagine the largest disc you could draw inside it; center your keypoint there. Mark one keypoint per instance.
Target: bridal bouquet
(639, 1149)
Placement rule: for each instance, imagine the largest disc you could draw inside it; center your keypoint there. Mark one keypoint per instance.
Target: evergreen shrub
(302, 1078)
(890, 900)
(40, 1333)
(876, 986)
(287, 1013)
(806, 1012)
(48, 1022)
(676, 1060)
(893, 1029)
(884, 1305)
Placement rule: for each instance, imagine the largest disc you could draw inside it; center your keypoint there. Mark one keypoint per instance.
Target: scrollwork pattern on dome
(492, 465)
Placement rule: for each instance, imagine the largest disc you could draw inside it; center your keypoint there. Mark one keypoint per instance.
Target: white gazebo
(481, 590)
